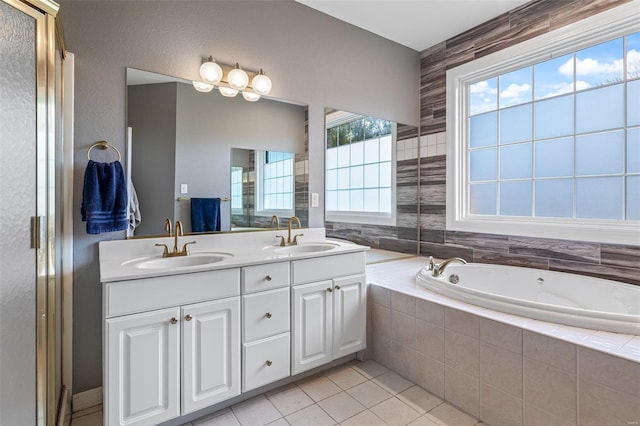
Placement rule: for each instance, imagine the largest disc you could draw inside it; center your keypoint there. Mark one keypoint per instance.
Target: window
(548, 143)
(236, 189)
(359, 169)
(275, 182)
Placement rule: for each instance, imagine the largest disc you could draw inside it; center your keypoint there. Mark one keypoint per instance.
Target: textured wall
(290, 41)
(616, 262)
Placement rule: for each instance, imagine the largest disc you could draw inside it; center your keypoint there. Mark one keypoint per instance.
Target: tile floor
(356, 393)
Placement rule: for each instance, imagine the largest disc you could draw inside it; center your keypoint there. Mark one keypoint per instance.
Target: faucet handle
(184, 247)
(295, 239)
(166, 249)
(168, 226)
(432, 264)
(282, 242)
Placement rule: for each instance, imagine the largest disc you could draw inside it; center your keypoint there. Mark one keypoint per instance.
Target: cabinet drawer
(265, 277)
(265, 361)
(145, 294)
(265, 314)
(327, 267)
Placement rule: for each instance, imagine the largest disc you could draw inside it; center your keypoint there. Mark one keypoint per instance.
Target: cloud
(590, 66)
(482, 87)
(515, 90)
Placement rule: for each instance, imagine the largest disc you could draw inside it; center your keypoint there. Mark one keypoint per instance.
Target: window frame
(617, 22)
(368, 218)
(260, 159)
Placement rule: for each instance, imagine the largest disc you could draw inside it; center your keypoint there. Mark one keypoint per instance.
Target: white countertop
(400, 276)
(243, 248)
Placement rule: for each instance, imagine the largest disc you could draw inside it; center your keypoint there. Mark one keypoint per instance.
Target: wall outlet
(315, 199)
(184, 188)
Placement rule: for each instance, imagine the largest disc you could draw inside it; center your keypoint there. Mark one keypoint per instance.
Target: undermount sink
(306, 248)
(194, 259)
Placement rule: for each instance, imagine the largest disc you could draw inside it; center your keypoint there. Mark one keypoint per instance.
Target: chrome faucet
(295, 237)
(438, 268)
(177, 232)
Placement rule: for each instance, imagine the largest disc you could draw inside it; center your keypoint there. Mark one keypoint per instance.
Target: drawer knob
(173, 320)
(268, 315)
(337, 287)
(268, 278)
(269, 363)
(329, 289)
(188, 317)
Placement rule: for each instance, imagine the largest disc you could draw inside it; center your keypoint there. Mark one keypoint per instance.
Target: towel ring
(103, 145)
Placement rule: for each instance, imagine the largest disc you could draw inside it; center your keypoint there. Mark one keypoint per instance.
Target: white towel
(134, 210)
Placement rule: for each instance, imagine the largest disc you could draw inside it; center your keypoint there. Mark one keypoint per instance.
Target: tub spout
(438, 269)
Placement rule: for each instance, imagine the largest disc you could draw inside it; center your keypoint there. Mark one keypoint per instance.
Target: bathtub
(545, 295)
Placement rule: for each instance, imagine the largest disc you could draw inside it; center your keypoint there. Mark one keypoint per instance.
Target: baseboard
(87, 399)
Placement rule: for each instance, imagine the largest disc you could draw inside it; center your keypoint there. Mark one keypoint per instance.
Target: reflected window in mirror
(237, 202)
(360, 168)
(275, 182)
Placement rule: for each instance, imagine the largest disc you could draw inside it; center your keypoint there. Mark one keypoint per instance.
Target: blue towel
(104, 198)
(205, 214)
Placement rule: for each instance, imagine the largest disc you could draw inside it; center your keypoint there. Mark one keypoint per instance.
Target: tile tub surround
(500, 368)
(621, 263)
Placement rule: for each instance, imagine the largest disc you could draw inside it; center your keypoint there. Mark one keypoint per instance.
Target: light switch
(184, 188)
(315, 199)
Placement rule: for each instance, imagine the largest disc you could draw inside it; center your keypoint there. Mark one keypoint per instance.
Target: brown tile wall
(610, 261)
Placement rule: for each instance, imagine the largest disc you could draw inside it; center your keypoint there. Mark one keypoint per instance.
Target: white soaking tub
(559, 297)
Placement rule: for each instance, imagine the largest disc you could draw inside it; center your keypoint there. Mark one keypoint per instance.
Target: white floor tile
(395, 412)
(310, 416)
(257, 411)
(291, 400)
(341, 406)
(319, 388)
(369, 394)
(419, 399)
(366, 418)
(346, 377)
(370, 369)
(448, 415)
(392, 382)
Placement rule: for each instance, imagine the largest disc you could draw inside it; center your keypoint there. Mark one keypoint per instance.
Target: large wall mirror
(188, 145)
(371, 181)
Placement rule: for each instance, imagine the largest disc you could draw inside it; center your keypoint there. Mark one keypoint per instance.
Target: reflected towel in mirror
(205, 214)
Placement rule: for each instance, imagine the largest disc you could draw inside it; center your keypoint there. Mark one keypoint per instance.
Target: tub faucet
(438, 268)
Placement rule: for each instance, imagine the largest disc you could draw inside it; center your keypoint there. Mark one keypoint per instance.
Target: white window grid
(605, 26)
(626, 77)
(276, 182)
(236, 189)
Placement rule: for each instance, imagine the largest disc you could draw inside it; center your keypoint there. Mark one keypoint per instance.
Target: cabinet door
(210, 353)
(311, 328)
(142, 367)
(349, 315)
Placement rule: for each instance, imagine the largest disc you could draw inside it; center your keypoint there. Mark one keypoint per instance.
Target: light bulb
(237, 78)
(229, 93)
(261, 83)
(202, 87)
(250, 96)
(210, 71)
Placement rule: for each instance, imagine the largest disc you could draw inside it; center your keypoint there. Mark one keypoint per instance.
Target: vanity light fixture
(250, 96)
(237, 80)
(261, 84)
(228, 92)
(210, 71)
(202, 87)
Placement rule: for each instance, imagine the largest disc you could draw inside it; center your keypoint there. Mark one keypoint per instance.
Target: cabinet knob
(268, 315)
(269, 363)
(268, 278)
(188, 317)
(337, 287)
(173, 320)
(329, 289)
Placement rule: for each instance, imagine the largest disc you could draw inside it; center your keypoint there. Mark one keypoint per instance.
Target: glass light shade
(210, 71)
(261, 83)
(237, 78)
(229, 93)
(202, 87)
(250, 96)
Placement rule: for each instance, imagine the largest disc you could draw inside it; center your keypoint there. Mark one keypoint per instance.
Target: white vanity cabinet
(170, 361)
(265, 324)
(329, 309)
